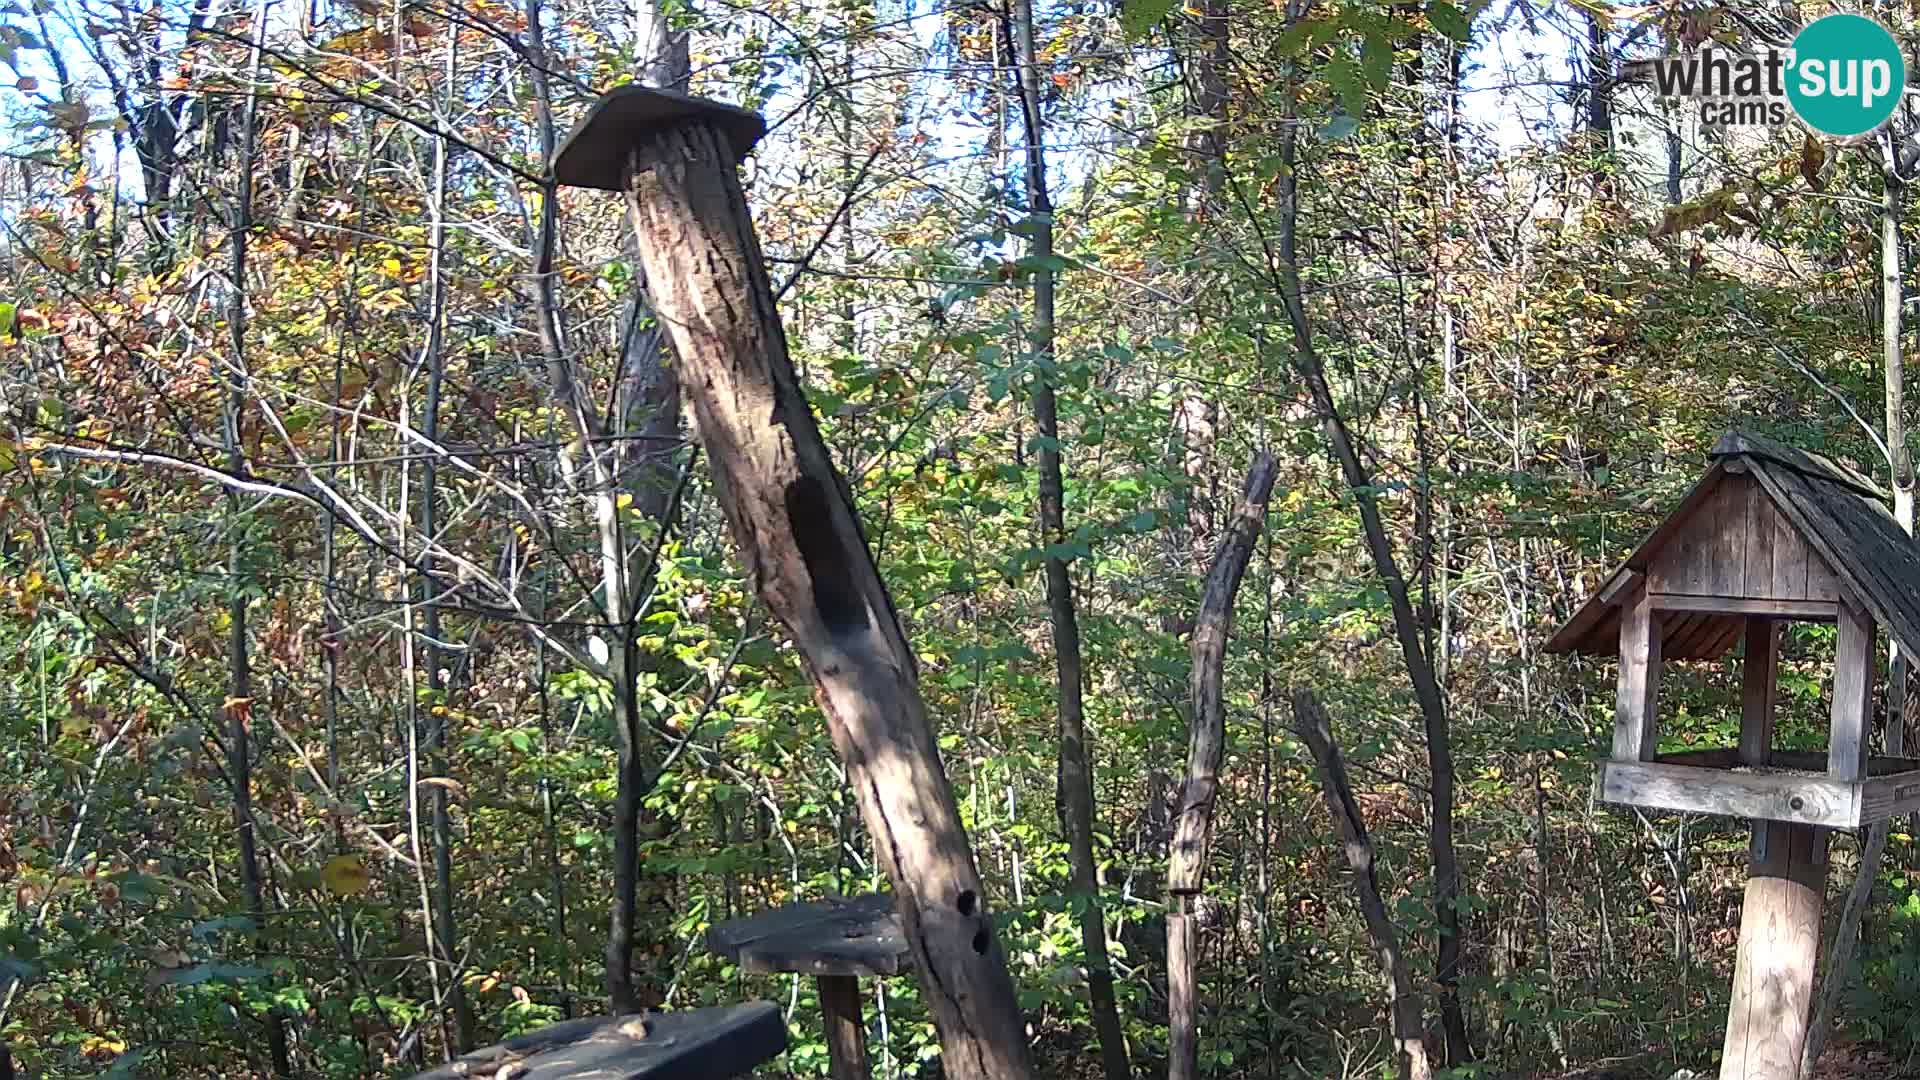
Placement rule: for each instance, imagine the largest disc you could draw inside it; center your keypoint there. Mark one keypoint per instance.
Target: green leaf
(239, 923)
(7, 310)
(1343, 75)
(123, 1066)
(1304, 36)
(13, 968)
(1033, 264)
(1450, 20)
(235, 972)
(1376, 62)
(1137, 17)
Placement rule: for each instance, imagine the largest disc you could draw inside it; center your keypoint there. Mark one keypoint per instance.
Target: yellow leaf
(94, 1044)
(343, 875)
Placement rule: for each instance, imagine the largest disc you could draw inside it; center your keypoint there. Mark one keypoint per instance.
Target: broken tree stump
(837, 941)
(790, 513)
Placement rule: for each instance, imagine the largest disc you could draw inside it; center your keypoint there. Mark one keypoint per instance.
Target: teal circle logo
(1846, 75)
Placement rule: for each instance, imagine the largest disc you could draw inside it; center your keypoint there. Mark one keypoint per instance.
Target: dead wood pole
(1310, 723)
(1206, 743)
(790, 513)
(1779, 936)
(1768, 1034)
(846, 1031)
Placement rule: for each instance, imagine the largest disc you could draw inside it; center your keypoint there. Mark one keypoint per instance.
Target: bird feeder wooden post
(790, 513)
(1769, 535)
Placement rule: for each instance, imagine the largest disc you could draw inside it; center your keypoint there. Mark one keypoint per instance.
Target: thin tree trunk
(1403, 1003)
(1206, 745)
(1599, 81)
(240, 676)
(623, 996)
(429, 586)
(1426, 688)
(1840, 958)
(550, 825)
(1206, 65)
(649, 397)
(1074, 799)
(790, 512)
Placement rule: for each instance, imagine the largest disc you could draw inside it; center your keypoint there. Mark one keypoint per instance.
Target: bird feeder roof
(595, 152)
(1769, 529)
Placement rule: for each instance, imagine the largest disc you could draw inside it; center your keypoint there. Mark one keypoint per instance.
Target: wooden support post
(846, 1031)
(790, 513)
(1183, 975)
(1759, 673)
(1852, 695)
(1779, 940)
(1636, 716)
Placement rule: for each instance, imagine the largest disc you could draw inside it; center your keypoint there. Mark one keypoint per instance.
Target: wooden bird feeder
(1769, 535)
(837, 942)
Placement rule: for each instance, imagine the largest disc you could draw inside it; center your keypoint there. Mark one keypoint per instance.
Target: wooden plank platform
(691, 1044)
(1792, 787)
(856, 937)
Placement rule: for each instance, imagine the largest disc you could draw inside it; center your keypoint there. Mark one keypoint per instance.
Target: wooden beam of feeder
(790, 514)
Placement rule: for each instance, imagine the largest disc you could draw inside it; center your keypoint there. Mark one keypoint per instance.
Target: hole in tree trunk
(965, 902)
(835, 598)
(981, 940)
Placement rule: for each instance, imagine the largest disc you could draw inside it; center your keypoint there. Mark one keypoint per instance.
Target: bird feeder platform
(837, 941)
(718, 1042)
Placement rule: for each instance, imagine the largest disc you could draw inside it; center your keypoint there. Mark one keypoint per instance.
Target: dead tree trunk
(790, 513)
(1310, 723)
(1206, 742)
(1420, 666)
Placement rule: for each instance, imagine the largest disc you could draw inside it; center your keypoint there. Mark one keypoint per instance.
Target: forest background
(363, 698)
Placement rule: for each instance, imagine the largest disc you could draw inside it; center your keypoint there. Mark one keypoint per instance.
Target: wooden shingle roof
(1767, 523)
